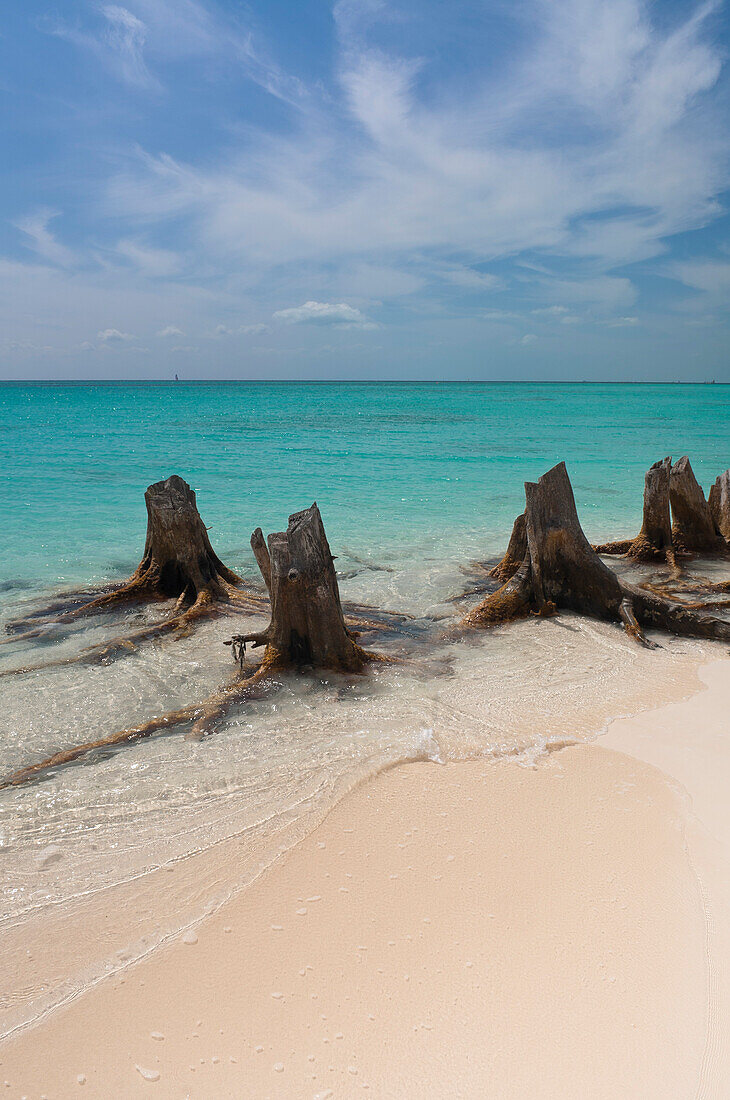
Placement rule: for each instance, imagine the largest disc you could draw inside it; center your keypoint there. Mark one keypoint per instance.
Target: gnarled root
(179, 625)
(203, 715)
(514, 600)
(631, 626)
(621, 546)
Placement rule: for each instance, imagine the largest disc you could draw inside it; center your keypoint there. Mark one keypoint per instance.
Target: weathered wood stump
(307, 629)
(654, 540)
(693, 528)
(307, 625)
(515, 553)
(178, 563)
(719, 502)
(562, 570)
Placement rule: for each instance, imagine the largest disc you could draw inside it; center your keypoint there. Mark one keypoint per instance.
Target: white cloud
(324, 313)
(114, 336)
(711, 276)
(252, 330)
(528, 338)
(125, 35)
(404, 176)
(118, 42)
(177, 30)
(169, 330)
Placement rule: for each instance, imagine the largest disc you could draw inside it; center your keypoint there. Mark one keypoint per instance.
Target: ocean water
(414, 482)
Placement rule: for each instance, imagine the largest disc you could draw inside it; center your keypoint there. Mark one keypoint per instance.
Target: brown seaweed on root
(561, 570)
(178, 563)
(307, 632)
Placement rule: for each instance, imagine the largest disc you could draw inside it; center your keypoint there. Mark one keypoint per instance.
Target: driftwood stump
(562, 570)
(307, 626)
(693, 528)
(307, 629)
(516, 550)
(654, 540)
(719, 502)
(178, 563)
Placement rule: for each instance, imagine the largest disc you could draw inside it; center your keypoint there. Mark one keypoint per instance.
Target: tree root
(180, 625)
(203, 715)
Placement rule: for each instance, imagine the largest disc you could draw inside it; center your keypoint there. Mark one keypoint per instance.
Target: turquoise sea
(414, 481)
(432, 466)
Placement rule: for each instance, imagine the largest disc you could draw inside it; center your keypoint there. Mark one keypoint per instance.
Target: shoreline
(624, 791)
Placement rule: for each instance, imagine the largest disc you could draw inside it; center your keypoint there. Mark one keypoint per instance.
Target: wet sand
(469, 929)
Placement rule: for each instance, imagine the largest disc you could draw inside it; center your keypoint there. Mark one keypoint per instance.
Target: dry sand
(478, 929)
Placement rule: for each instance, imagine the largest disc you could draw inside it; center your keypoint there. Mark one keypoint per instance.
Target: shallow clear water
(413, 482)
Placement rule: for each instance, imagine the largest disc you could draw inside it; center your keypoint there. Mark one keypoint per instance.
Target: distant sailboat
(176, 378)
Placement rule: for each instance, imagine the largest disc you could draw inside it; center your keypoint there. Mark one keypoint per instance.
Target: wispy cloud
(39, 237)
(392, 176)
(136, 41)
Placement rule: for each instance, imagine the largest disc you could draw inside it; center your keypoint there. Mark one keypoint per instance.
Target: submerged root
(180, 625)
(203, 715)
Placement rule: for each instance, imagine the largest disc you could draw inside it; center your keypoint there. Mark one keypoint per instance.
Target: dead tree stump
(562, 570)
(307, 629)
(178, 561)
(516, 550)
(693, 528)
(654, 540)
(307, 625)
(719, 502)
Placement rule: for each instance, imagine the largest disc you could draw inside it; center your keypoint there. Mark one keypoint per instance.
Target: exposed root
(203, 715)
(631, 626)
(514, 600)
(622, 546)
(180, 625)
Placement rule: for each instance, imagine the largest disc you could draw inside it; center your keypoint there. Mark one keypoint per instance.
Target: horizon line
(360, 382)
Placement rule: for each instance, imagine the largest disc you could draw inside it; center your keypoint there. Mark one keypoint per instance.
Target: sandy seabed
(474, 929)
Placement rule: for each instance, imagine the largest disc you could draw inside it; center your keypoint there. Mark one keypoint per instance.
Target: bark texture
(515, 554)
(693, 528)
(307, 625)
(654, 541)
(719, 502)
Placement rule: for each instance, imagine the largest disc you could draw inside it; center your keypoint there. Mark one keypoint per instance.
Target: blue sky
(365, 189)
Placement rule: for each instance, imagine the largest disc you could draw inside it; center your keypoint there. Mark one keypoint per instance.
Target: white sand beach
(470, 929)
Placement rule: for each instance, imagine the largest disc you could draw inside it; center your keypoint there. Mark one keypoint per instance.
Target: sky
(365, 189)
